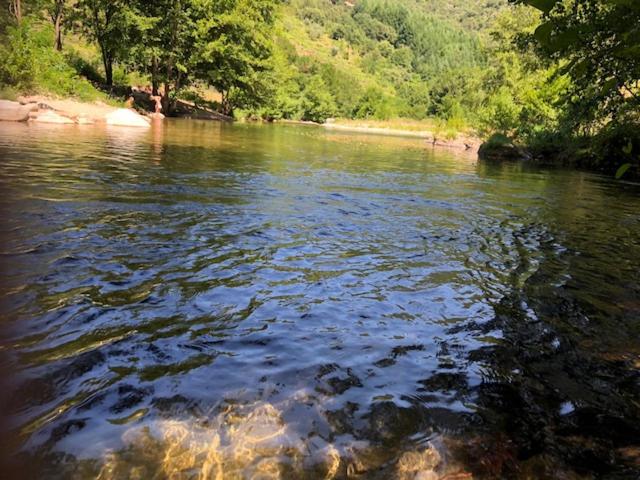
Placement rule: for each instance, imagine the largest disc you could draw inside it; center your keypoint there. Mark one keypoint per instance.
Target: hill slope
(377, 58)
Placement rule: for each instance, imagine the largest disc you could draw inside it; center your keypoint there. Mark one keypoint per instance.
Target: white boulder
(49, 116)
(126, 118)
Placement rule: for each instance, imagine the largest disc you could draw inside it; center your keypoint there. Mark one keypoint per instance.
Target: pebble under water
(263, 302)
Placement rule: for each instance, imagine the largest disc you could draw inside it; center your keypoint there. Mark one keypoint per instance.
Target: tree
(598, 42)
(57, 11)
(15, 7)
(317, 103)
(109, 23)
(233, 49)
(164, 45)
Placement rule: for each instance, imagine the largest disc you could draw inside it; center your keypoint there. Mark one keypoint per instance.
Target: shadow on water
(271, 302)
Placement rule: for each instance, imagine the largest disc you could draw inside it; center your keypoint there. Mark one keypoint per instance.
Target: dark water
(261, 302)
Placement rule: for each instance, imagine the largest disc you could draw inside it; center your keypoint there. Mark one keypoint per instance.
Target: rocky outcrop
(14, 111)
(502, 152)
(127, 118)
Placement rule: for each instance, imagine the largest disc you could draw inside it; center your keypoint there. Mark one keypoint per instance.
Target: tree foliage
(598, 44)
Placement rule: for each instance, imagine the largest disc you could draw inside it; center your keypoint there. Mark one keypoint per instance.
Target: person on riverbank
(158, 103)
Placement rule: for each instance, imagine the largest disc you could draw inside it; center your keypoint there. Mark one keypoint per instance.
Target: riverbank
(422, 129)
(42, 109)
(427, 131)
(45, 109)
(613, 151)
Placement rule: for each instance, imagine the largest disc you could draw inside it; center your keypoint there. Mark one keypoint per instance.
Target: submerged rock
(126, 118)
(14, 111)
(418, 465)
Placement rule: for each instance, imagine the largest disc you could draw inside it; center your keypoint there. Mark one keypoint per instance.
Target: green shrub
(17, 65)
(375, 104)
(317, 103)
(30, 65)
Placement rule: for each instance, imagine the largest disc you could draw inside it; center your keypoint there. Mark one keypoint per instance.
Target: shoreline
(48, 110)
(41, 109)
(462, 142)
(467, 143)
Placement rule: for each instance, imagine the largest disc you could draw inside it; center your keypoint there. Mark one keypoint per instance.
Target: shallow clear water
(214, 301)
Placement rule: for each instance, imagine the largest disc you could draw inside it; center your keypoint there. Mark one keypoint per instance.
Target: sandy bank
(462, 142)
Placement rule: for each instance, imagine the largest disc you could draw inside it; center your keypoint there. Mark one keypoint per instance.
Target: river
(203, 300)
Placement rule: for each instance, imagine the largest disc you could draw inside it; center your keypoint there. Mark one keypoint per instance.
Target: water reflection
(281, 302)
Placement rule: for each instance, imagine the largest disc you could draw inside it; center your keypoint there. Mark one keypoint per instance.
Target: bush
(375, 104)
(17, 66)
(317, 103)
(30, 65)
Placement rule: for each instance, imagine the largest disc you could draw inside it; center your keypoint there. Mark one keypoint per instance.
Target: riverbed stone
(126, 118)
(14, 111)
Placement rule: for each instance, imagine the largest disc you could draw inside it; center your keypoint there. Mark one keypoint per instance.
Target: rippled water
(213, 301)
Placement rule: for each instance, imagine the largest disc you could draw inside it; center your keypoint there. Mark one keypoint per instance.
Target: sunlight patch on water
(255, 442)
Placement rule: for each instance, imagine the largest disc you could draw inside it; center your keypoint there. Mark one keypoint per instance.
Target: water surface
(214, 301)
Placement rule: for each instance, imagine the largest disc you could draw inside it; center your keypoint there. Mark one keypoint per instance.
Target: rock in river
(14, 112)
(126, 118)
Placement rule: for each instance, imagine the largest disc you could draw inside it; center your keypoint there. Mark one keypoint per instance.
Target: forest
(559, 76)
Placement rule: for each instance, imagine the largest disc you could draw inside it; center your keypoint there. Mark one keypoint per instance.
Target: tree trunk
(16, 10)
(227, 108)
(154, 77)
(108, 69)
(178, 83)
(166, 100)
(58, 32)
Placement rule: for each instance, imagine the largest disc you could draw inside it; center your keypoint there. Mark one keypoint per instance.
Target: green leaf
(563, 40)
(624, 3)
(629, 52)
(543, 33)
(544, 5)
(622, 170)
(580, 69)
(608, 86)
(628, 149)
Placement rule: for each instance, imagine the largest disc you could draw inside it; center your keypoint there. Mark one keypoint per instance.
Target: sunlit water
(262, 302)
